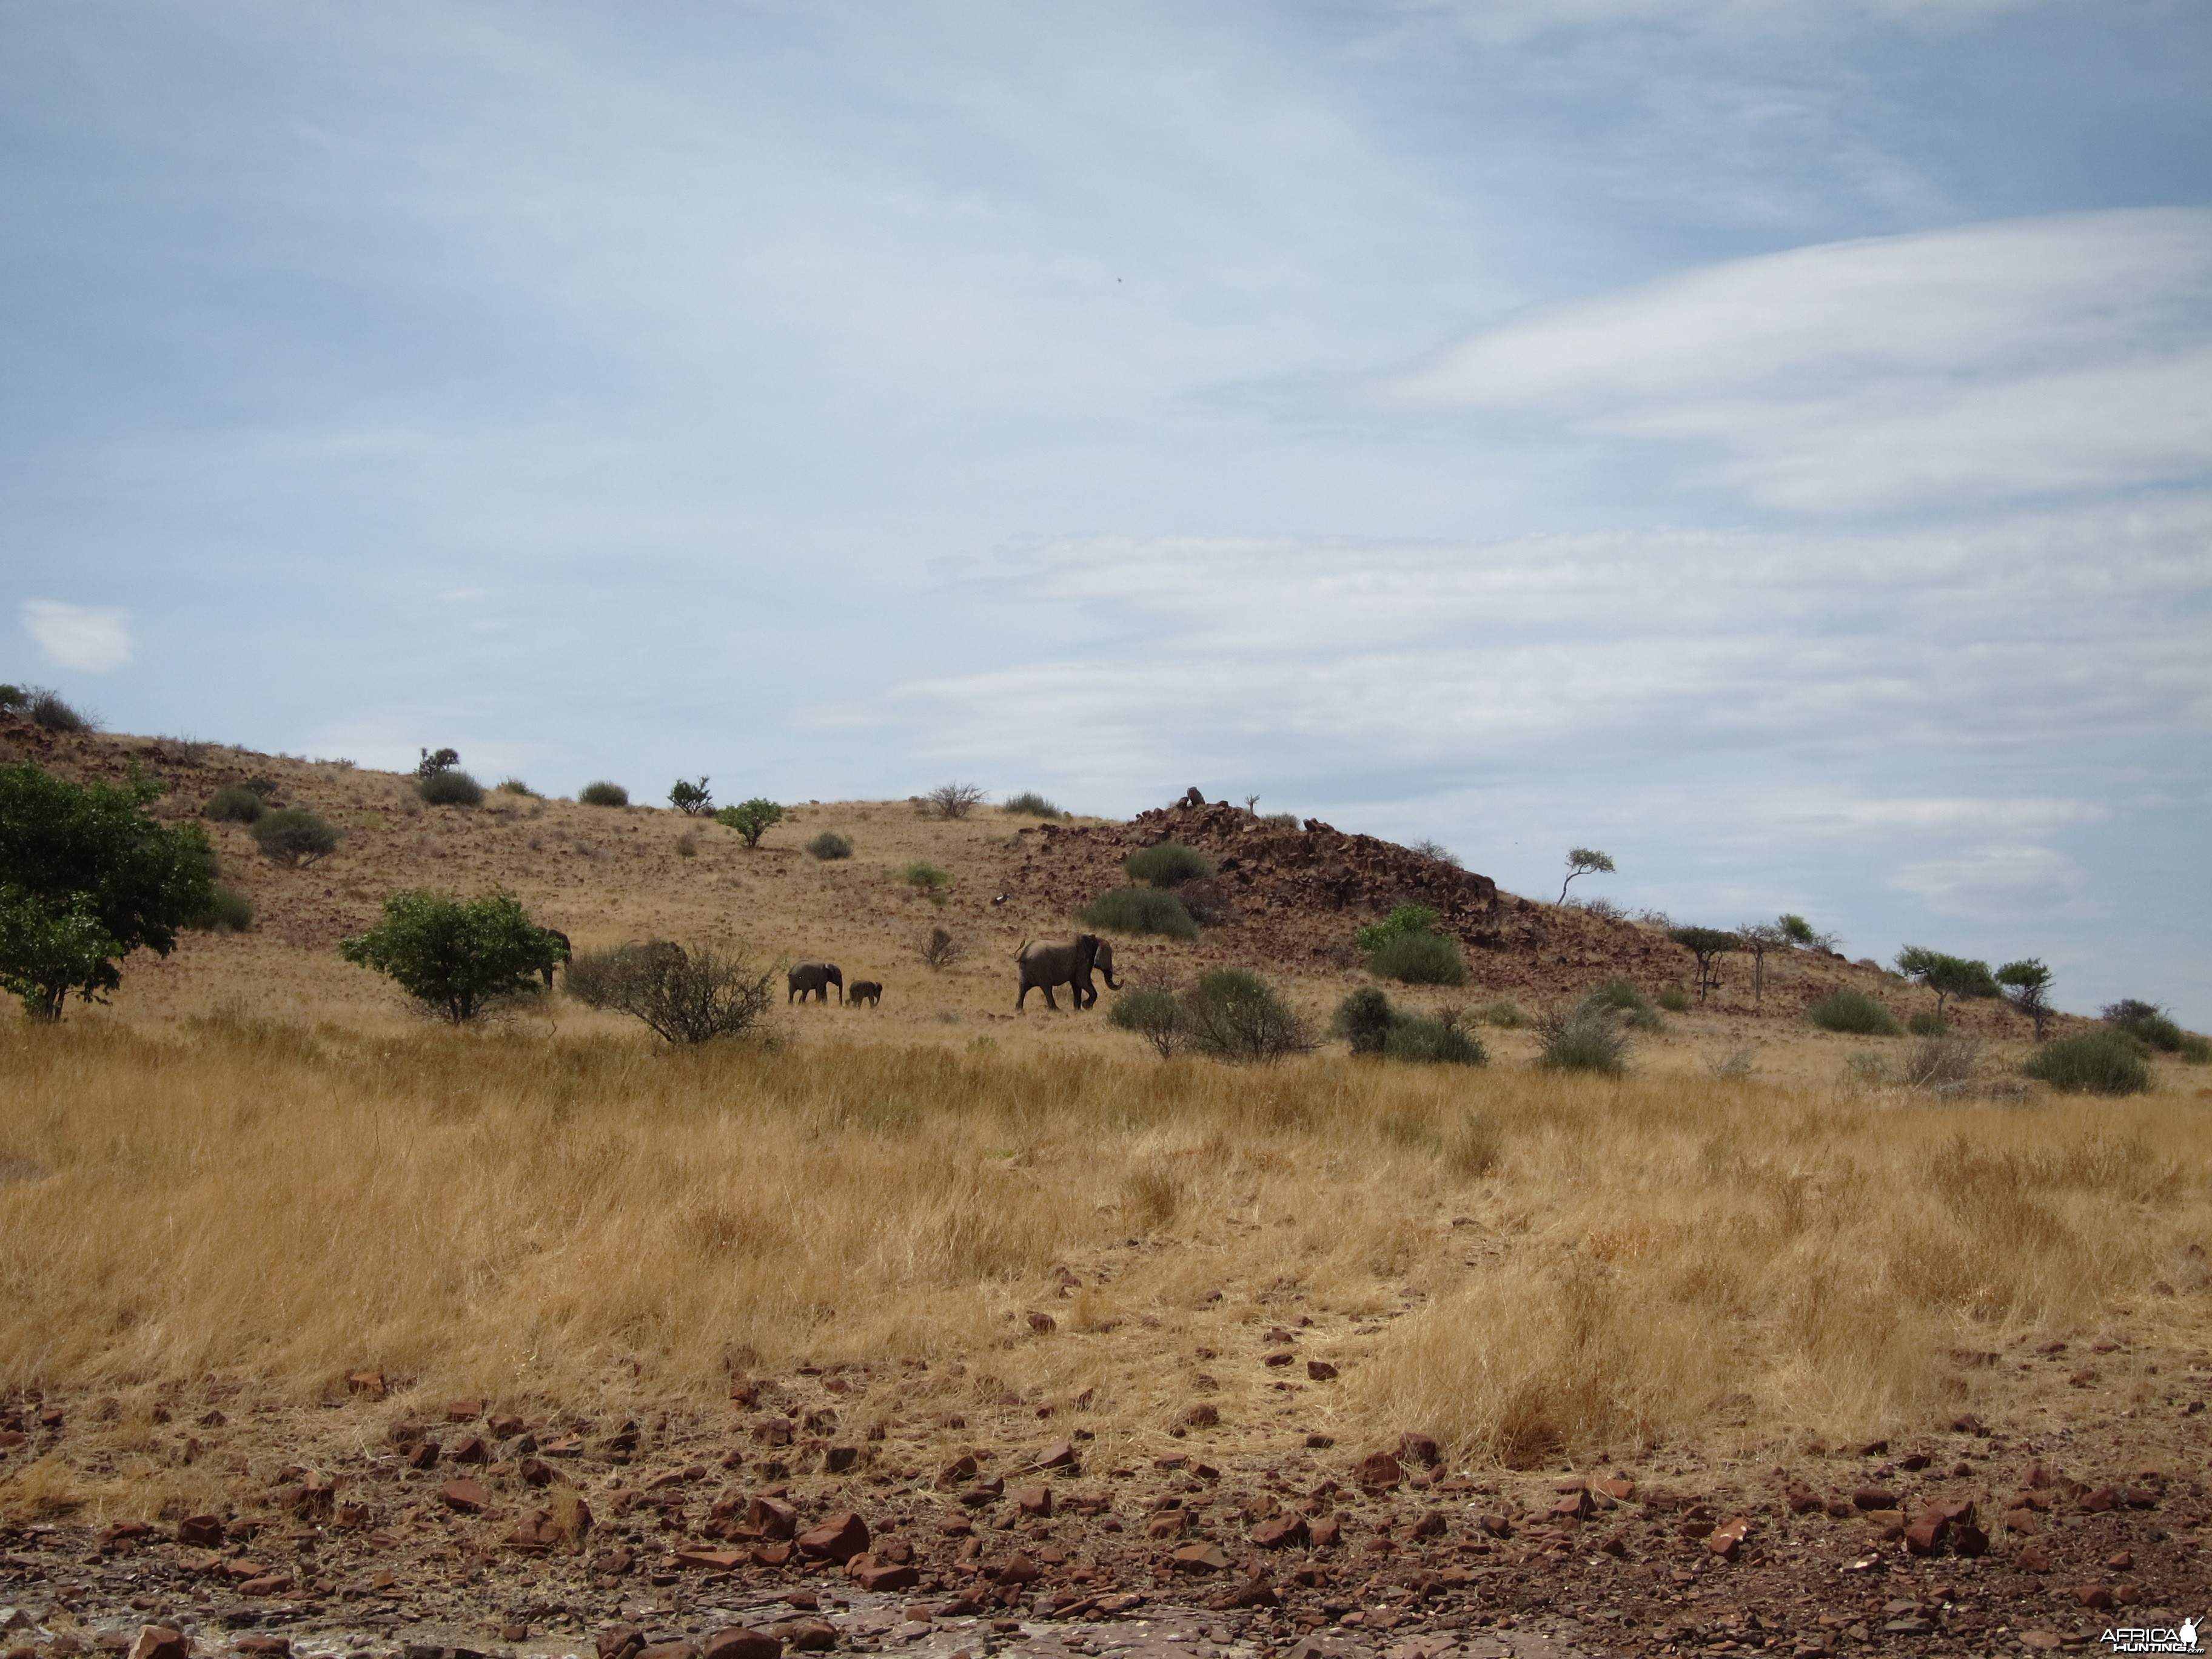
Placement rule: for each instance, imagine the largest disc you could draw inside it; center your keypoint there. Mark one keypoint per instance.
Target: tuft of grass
(1169, 864)
(450, 788)
(1634, 1008)
(1673, 998)
(1432, 1042)
(926, 879)
(230, 911)
(516, 787)
(294, 836)
(2150, 1025)
(604, 793)
(1504, 1013)
(50, 713)
(1586, 1037)
(1418, 959)
(1927, 1023)
(1138, 910)
(2095, 1063)
(829, 845)
(1942, 1063)
(1853, 1011)
(234, 803)
(1030, 805)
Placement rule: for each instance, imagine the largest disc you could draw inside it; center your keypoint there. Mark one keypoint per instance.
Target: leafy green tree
(1708, 945)
(86, 878)
(1948, 976)
(454, 956)
(2027, 987)
(751, 819)
(1798, 934)
(1584, 861)
(691, 800)
(431, 766)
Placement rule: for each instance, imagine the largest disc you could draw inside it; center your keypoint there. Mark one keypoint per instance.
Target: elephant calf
(864, 990)
(815, 976)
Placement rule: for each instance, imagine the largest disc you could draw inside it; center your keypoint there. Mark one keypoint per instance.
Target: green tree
(691, 798)
(1708, 945)
(1798, 932)
(86, 878)
(2027, 987)
(751, 819)
(1584, 861)
(454, 956)
(1757, 938)
(1948, 976)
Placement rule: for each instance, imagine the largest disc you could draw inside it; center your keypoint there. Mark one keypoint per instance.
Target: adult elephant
(1047, 962)
(817, 977)
(1087, 994)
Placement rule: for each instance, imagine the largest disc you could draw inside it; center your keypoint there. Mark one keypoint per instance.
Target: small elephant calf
(864, 990)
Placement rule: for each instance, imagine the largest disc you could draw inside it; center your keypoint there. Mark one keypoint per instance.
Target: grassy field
(1528, 1267)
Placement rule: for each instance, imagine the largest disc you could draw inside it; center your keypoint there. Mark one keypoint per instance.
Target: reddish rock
(1925, 1535)
(1019, 1570)
(1418, 1450)
(368, 1382)
(468, 1497)
(2032, 1558)
(2022, 1521)
(1325, 1532)
(773, 1431)
(1875, 1497)
(1617, 1487)
(1496, 1525)
(1283, 1532)
(1058, 1456)
(1203, 1415)
(737, 1643)
(621, 1641)
(1253, 1592)
(840, 1460)
(1725, 1540)
(2099, 1597)
(1800, 1497)
(470, 1449)
(712, 1560)
(959, 1469)
(1043, 1323)
(1431, 1525)
(505, 1425)
(891, 1575)
(1199, 1558)
(534, 1531)
(464, 1410)
(771, 1519)
(811, 1635)
(1167, 1523)
(838, 1538)
(1377, 1470)
(1034, 1500)
(772, 1555)
(2098, 1501)
(1320, 1371)
(534, 1472)
(203, 1532)
(271, 1584)
(2039, 1476)
(160, 1642)
(1574, 1506)
(670, 1650)
(1969, 1541)
(264, 1647)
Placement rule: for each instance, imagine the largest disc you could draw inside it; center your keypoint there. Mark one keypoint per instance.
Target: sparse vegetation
(692, 799)
(1405, 919)
(1168, 863)
(1419, 1041)
(1634, 1008)
(1854, 1011)
(14, 699)
(432, 764)
(1234, 1015)
(687, 845)
(1154, 1013)
(228, 911)
(1941, 1063)
(1437, 850)
(1504, 1013)
(1364, 1020)
(86, 878)
(683, 995)
(1280, 820)
(1418, 959)
(50, 713)
(1030, 805)
(2150, 1026)
(1584, 861)
(941, 949)
(1708, 945)
(602, 794)
(1586, 1037)
(450, 788)
(955, 800)
(1798, 932)
(453, 956)
(1673, 998)
(1138, 910)
(516, 787)
(1948, 976)
(234, 803)
(751, 819)
(1926, 1022)
(927, 878)
(828, 847)
(2095, 1063)
(294, 837)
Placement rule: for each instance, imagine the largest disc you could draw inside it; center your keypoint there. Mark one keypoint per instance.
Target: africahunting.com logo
(2131, 1639)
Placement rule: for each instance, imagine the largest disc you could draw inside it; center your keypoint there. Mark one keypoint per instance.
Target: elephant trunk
(1112, 984)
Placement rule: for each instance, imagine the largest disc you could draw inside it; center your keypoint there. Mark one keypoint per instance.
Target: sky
(1768, 440)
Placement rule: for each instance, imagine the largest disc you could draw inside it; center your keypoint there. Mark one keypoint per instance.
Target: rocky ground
(737, 1539)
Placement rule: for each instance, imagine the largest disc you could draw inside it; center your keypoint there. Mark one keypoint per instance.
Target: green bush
(1405, 919)
(2148, 1024)
(1432, 1042)
(1924, 1022)
(14, 699)
(1030, 805)
(1586, 1037)
(1673, 998)
(693, 995)
(1138, 910)
(1418, 959)
(450, 789)
(604, 793)
(1234, 1015)
(294, 836)
(1280, 820)
(1364, 1020)
(1154, 1013)
(1624, 998)
(1854, 1011)
(445, 760)
(829, 845)
(692, 799)
(751, 819)
(234, 803)
(49, 711)
(516, 787)
(455, 957)
(1169, 864)
(926, 877)
(2097, 1063)
(228, 911)
(1504, 1013)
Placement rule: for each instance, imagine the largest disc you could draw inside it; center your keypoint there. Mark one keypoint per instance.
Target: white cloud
(1968, 365)
(1994, 883)
(79, 636)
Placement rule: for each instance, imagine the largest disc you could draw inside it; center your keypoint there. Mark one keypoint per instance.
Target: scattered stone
(160, 1642)
(368, 1382)
(1377, 1471)
(464, 1410)
(200, 1532)
(467, 1497)
(1726, 1539)
(1199, 1558)
(838, 1538)
(1061, 1455)
(1283, 1532)
(735, 1642)
(1320, 1371)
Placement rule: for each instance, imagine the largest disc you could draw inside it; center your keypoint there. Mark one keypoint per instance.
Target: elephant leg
(1022, 997)
(1048, 1002)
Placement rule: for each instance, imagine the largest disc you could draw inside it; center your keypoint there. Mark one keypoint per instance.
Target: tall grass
(591, 1225)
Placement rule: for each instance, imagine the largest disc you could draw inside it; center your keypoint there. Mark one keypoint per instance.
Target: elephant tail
(1018, 949)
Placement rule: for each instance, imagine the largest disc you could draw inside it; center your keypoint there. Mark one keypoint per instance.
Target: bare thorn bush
(683, 995)
(955, 800)
(940, 949)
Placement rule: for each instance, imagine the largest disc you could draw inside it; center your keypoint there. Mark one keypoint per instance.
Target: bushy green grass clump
(294, 836)
(1169, 864)
(450, 788)
(1030, 805)
(2096, 1063)
(230, 911)
(1418, 959)
(604, 793)
(1138, 910)
(1634, 1008)
(234, 803)
(829, 845)
(1854, 1011)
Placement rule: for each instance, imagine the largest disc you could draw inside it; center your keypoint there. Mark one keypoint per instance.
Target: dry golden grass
(1521, 1264)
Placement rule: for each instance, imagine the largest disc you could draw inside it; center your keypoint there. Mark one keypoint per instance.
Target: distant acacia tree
(1948, 976)
(1756, 938)
(1584, 861)
(1708, 945)
(2027, 987)
(751, 819)
(1798, 932)
(691, 798)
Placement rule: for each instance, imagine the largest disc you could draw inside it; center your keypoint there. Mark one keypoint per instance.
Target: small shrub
(234, 803)
(927, 878)
(1437, 850)
(1364, 1020)
(1030, 805)
(1234, 1015)
(1405, 919)
(1854, 1011)
(1432, 1042)
(941, 949)
(229, 912)
(14, 699)
(604, 793)
(1504, 1013)
(2148, 1024)
(1418, 959)
(1636, 1012)
(516, 787)
(1673, 998)
(450, 789)
(1154, 1013)
(431, 764)
(693, 995)
(1475, 1147)
(1169, 864)
(1603, 908)
(1586, 1037)
(1138, 910)
(1924, 1022)
(294, 836)
(690, 799)
(954, 801)
(687, 846)
(828, 846)
(1944, 1064)
(751, 819)
(1280, 820)
(48, 712)
(2096, 1063)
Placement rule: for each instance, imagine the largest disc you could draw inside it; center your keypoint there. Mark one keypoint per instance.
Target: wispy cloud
(84, 637)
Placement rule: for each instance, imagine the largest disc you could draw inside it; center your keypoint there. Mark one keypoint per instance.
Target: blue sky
(1771, 441)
